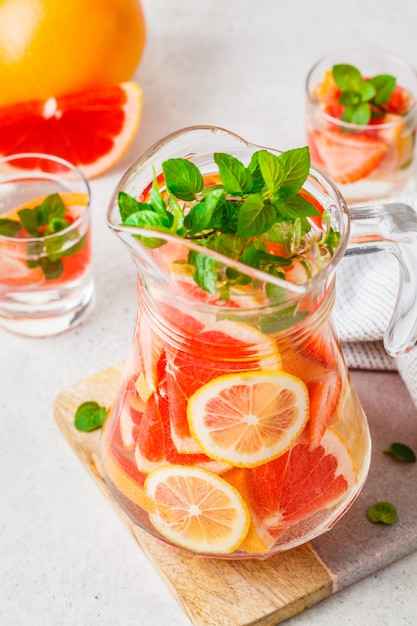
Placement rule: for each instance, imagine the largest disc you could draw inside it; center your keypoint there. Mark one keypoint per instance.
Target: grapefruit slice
(324, 394)
(197, 509)
(92, 129)
(348, 157)
(129, 487)
(247, 419)
(155, 447)
(223, 347)
(300, 483)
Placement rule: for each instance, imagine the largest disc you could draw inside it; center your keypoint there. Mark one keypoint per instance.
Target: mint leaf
(157, 202)
(401, 452)
(296, 165)
(9, 228)
(57, 224)
(182, 178)
(258, 182)
(149, 219)
(30, 221)
(177, 215)
(295, 207)
(201, 215)
(236, 178)
(360, 114)
(89, 416)
(347, 77)
(255, 216)
(271, 169)
(384, 85)
(51, 208)
(51, 269)
(129, 205)
(367, 91)
(383, 512)
(205, 272)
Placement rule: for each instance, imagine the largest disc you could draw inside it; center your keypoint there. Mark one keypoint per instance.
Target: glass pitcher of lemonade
(235, 431)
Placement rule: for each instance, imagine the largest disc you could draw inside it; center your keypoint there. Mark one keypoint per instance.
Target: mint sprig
(363, 99)
(48, 218)
(238, 216)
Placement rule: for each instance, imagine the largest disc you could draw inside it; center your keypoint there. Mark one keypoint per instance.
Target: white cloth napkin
(367, 288)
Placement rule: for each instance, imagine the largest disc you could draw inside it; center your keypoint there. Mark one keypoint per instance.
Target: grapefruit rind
(185, 515)
(241, 436)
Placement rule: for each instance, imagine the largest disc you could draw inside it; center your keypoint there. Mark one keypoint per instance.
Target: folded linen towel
(366, 292)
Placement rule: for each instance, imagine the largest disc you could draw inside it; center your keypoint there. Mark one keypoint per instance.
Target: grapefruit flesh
(91, 129)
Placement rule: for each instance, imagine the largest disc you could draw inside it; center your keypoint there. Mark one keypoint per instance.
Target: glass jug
(235, 431)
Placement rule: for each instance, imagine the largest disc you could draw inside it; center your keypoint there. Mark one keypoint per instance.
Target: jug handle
(391, 228)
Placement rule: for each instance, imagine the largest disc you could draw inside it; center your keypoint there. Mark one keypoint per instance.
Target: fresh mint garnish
(40, 222)
(382, 512)
(401, 452)
(89, 416)
(238, 213)
(363, 99)
(9, 228)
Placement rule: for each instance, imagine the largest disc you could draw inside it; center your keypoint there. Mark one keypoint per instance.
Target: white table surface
(66, 559)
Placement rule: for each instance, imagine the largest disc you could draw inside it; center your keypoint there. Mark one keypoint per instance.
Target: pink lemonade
(235, 433)
(15, 265)
(45, 272)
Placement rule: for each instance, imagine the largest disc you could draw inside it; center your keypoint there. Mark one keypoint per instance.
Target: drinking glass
(372, 160)
(46, 280)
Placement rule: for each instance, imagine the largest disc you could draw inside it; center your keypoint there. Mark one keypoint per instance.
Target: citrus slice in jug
(298, 485)
(197, 509)
(247, 419)
(222, 347)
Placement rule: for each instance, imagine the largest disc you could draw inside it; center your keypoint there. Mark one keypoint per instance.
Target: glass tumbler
(363, 135)
(46, 280)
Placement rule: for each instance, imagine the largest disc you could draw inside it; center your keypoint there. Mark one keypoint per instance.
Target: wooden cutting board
(265, 593)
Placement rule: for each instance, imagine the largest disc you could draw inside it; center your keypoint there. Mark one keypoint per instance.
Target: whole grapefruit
(50, 48)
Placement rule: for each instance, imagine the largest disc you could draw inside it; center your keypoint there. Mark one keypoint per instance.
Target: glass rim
(26, 173)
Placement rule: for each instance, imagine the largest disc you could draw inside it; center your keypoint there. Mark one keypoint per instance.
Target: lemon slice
(197, 510)
(249, 418)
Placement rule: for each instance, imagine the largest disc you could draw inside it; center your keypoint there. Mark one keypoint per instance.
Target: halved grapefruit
(92, 129)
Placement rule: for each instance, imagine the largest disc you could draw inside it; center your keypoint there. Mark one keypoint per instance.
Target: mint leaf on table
(401, 452)
(89, 416)
(382, 512)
